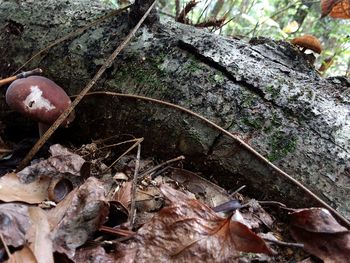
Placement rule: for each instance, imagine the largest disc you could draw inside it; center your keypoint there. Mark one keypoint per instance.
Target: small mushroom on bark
(308, 42)
(40, 99)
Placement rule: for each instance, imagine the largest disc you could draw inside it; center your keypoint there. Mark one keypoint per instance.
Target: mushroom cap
(308, 42)
(38, 98)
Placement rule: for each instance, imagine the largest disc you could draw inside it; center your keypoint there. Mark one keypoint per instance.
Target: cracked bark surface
(263, 91)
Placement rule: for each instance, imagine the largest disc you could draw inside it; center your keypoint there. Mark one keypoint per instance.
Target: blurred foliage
(277, 19)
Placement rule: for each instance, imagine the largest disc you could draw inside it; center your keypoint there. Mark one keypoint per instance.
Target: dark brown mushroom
(40, 99)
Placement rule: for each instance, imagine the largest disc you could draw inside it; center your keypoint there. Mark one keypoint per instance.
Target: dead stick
(155, 174)
(238, 190)
(155, 168)
(116, 144)
(138, 141)
(116, 231)
(5, 150)
(5, 245)
(20, 76)
(282, 243)
(81, 95)
(272, 203)
(132, 213)
(109, 146)
(177, 8)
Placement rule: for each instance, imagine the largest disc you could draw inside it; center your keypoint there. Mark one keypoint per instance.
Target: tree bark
(263, 91)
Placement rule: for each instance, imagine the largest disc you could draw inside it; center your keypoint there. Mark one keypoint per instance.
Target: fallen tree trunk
(263, 92)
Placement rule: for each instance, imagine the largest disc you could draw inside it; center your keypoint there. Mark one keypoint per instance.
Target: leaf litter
(180, 216)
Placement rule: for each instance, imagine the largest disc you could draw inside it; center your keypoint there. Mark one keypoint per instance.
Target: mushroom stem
(42, 128)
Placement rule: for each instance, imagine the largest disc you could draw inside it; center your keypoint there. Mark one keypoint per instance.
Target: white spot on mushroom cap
(35, 100)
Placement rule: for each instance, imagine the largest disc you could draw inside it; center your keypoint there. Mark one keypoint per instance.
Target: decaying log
(263, 92)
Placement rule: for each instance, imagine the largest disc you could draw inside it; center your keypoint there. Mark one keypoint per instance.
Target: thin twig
(5, 245)
(155, 168)
(117, 144)
(285, 244)
(177, 8)
(81, 95)
(277, 171)
(73, 34)
(155, 174)
(238, 190)
(272, 203)
(116, 231)
(5, 151)
(224, 24)
(99, 141)
(110, 146)
(204, 9)
(138, 141)
(132, 213)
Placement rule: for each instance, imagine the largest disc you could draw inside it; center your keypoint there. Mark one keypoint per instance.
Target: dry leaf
(62, 161)
(341, 10)
(327, 6)
(321, 234)
(256, 216)
(326, 64)
(307, 260)
(12, 190)
(336, 8)
(209, 193)
(123, 196)
(318, 220)
(189, 6)
(189, 231)
(93, 254)
(78, 216)
(149, 199)
(120, 176)
(25, 255)
(14, 223)
(291, 27)
(39, 236)
(119, 205)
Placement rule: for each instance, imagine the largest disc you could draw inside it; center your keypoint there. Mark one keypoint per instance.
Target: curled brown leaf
(321, 234)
